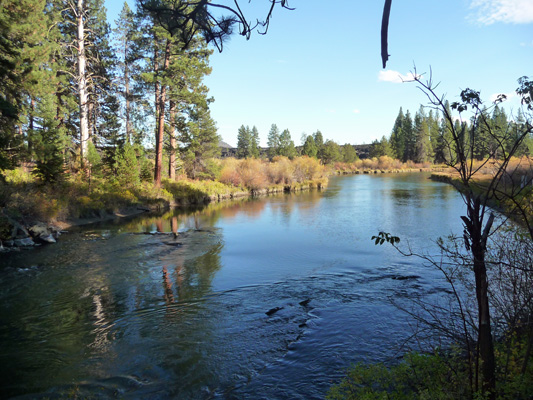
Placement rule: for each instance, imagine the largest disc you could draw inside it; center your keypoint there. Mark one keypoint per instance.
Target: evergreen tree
(273, 141)
(319, 142)
(200, 143)
(286, 145)
(423, 151)
(25, 74)
(255, 150)
(408, 133)
(309, 147)
(127, 37)
(331, 152)
(381, 148)
(349, 155)
(244, 142)
(445, 149)
(500, 131)
(127, 167)
(397, 139)
(516, 128)
(433, 127)
(48, 142)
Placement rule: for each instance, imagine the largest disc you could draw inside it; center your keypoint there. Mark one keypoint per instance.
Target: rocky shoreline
(15, 234)
(27, 232)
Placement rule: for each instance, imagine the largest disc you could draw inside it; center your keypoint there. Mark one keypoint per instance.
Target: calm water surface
(129, 310)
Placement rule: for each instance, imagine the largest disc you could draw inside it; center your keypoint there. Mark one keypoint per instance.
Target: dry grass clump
(280, 171)
(307, 169)
(383, 163)
(254, 174)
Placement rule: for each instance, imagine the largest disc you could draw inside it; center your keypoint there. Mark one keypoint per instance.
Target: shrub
(416, 377)
(307, 168)
(229, 174)
(252, 174)
(280, 170)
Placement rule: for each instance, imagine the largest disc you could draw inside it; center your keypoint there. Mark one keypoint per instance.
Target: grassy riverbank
(78, 199)
(512, 190)
(384, 164)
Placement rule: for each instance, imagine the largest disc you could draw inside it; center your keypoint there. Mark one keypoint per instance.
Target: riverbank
(34, 214)
(25, 203)
(514, 198)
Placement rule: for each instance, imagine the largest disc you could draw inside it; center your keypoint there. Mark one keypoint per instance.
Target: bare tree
(479, 195)
(498, 179)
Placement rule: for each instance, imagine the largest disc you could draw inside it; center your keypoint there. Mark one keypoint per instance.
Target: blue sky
(319, 66)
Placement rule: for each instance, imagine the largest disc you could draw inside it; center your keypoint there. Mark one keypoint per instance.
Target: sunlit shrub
(17, 176)
(280, 171)
(229, 173)
(307, 168)
(385, 162)
(252, 173)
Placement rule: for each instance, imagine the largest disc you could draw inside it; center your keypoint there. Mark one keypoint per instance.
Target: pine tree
(349, 155)
(445, 150)
(408, 133)
(423, 151)
(255, 150)
(273, 141)
(319, 142)
(200, 143)
(286, 145)
(126, 35)
(244, 142)
(331, 152)
(381, 148)
(24, 56)
(309, 147)
(397, 139)
(433, 127)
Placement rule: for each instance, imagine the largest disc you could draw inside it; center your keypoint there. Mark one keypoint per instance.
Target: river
(127, 309)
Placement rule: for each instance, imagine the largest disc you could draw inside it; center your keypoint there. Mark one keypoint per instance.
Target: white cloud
(394, 76)
(509, 96)
(331, 111)
(356, 111)
(524, 44)
(506, 11)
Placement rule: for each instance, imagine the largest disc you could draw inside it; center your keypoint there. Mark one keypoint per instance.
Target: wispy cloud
(356, 111)
(394, 76)
(507, 11)
(331, 111)
(527, 44)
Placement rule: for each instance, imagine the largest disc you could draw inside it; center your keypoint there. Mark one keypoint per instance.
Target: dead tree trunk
(82, 84)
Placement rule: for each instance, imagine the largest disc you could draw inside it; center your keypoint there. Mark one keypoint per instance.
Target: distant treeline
(427, 136)
(281, 144)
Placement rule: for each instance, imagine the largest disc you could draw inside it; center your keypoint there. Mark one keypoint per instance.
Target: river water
(130, 310)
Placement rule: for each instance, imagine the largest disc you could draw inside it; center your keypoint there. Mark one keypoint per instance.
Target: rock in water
(26, 242)
(273, 311)
(305, 302)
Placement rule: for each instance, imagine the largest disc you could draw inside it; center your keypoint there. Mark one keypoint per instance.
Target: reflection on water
(175, 305)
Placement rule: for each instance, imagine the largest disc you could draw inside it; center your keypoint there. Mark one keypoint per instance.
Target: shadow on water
(265, 298)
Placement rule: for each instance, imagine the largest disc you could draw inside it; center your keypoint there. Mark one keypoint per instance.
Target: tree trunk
(161, 122)
(31, 128)
(82, 85)
(172, 156)
(127, 93)
(478, 237)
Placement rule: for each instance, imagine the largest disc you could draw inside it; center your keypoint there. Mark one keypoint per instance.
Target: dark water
(128, 310)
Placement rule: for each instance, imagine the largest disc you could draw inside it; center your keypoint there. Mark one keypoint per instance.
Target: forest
(95, 120)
